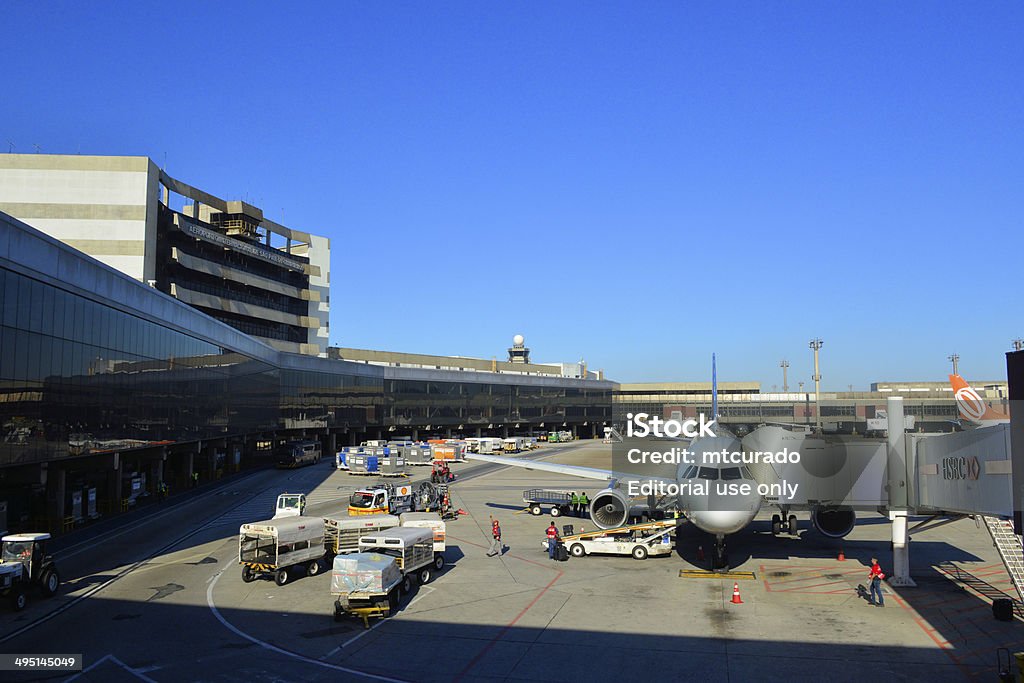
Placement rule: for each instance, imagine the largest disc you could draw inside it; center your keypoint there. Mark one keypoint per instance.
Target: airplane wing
(573, 470)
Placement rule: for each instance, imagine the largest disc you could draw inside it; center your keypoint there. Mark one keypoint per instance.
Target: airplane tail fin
(714, 389)
(971, 406)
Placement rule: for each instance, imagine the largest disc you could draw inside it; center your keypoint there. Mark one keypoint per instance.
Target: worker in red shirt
(552, 539)
(875, 576)
(495, 538)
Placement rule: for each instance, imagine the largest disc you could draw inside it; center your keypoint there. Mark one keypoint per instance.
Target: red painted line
(508, 626)
(797, 589)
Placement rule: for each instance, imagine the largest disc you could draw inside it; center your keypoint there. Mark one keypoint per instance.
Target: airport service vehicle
(365, 585)
(432, 521)
(290, 505)
(342, 533)
(514, 444)
(298, 453)
(638, 540)
(557, 502)
(276, 545)
(412, 548)
(391, 499)
(24, 564)
(490, 445)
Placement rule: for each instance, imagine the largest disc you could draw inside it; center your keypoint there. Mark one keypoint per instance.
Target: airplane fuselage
(730, 499)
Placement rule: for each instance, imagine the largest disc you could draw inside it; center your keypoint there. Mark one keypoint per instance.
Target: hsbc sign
(959, 467)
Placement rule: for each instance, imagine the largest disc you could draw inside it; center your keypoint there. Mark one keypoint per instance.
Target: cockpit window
(709, 473)
(731, 473)
(690, 472)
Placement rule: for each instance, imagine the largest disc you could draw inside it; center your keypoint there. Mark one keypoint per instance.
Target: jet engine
(834, 523)
(609, 509)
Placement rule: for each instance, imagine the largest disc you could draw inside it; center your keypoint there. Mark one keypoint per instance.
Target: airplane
(972, 407)
(698, 499)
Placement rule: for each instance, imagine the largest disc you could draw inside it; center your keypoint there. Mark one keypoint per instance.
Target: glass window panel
(7, 359)
(11, 287)
(59, 301)
(21, 344)
(46, 311)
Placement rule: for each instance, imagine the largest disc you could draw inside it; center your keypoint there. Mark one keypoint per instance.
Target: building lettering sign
(190, 228)
(959, 467)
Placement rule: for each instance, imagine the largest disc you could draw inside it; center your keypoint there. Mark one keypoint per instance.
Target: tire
(794, 525)
(577, 550)
(423, 576)
(556, 511)
(639, 552)
(392, 601)
(536, 510)
(50, 583)
(313, 568)
(438, 561)
(776, 527)
(18, 599)
(281, 576)
(406, 584)
(248, 575)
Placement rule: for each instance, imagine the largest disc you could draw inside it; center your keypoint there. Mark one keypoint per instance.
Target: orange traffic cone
(736, 600)
(700, 553)
(842, 557)
(462, 512)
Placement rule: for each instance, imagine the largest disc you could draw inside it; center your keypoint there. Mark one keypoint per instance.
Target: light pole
(955, 359)
(815, 345)
(784, 364)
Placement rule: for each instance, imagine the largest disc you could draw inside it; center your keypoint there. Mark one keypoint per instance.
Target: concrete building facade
(222, 257)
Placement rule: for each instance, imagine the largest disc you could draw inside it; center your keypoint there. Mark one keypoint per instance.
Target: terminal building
(109, 386)
(742, 405)
(224, 258)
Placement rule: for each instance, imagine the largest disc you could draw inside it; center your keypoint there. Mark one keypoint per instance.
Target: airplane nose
(721, 521)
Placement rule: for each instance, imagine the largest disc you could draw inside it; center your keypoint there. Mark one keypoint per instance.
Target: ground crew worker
(195, 479)
(495, 538)
(584, 503)
(575, 506)
(875, 576)
(552, 539)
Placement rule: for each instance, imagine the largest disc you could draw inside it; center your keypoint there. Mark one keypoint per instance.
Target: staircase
(1010, 550)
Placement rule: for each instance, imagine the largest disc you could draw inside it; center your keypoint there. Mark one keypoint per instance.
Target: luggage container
(342, 533)
(412, 548)
(419, 454)
(276, 545)
(432, 521)
(366, 585)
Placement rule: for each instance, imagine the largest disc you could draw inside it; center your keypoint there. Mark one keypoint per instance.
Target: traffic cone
(842, 557)
(736, 600)
(700, 553)
(462, 512)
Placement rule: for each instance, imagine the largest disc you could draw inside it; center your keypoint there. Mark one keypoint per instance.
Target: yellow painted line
(702, 574)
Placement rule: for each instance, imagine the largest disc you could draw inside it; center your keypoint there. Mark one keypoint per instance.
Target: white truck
(276, 545)
(412, 548)
(490, 445)
(637, 540)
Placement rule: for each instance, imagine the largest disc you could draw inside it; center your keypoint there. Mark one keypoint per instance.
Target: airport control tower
(518, 353)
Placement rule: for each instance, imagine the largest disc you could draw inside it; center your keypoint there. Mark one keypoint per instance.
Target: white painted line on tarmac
(423, 592)
(273, 648)
(138, 673)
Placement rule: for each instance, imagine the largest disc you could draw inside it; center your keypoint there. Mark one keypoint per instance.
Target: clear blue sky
(638, 184)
